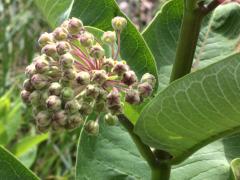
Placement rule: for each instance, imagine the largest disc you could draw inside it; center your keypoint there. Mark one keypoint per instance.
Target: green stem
(187, 43)
(160, 167)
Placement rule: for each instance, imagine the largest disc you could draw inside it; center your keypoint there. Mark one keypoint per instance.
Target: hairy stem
(160, 167)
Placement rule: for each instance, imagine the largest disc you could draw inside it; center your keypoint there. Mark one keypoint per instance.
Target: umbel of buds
(73, 77)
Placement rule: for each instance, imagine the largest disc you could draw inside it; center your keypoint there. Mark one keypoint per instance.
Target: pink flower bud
(119, 23)
(74, 25)
(113, 98)
(60, 117)
(99, 77)
(83, 78)
(41, 65)
(45, 38)
(66, 60)
(72, 106)
(49, 50)
(86, 39)
(39, 81)
(145, 89)
(109, 37)
(53, 102)
(55, 89)
(63, 47)
(60, 34)
(42, 119)
(25, 96)
(132, 97)
(129, 78)
(27, 85)
(120, 68)
(148, 78)
(97, 52)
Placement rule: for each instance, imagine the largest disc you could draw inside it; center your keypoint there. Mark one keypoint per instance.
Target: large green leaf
(110, 155)
(218, 37)
(194, 111)
(11, 168)
(211, 162)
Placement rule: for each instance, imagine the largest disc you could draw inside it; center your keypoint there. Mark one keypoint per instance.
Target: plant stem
(187, 43)
(160, 167)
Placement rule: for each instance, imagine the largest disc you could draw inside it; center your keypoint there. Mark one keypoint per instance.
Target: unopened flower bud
(92, 127)
(25, 96)
(102, 95)
(74, 121)
(116, 109)
(41, 65)
(66, 60)
(100, 106)
(92, 91)
(85, 108)
(56, 126)
(69, 74)
(74, 25)
(113, 98)
(110, 119)
(99, 77)
(120, 68)
(35, 98)
(109, 37)
(149, 78)
(55, 88)
(27, 85)
(60, 34)
(54, 72)
(72, 106)
(145, 89)
(67, 93)
(60, 117)
(53, 103)
(83, 78)
(119, 23)
(43, 96)
(97, 52)
(42, 119)
(86, 39)
(132, 96)
(63, 47)
(45, 38)
(108, 63)
(129, 78)
(39, 81)
(30, 70)
(49, 50)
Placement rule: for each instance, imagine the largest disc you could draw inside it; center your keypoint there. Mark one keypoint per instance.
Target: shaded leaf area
(110, 155)
(11, 168)
(194, 110)
(218, 37)
(211, 162)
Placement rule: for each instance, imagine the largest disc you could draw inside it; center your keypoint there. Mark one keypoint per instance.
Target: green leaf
(211, 162)
(235, 167)
(110, 155)
(194, 110)
(216, 39)
(11, 168)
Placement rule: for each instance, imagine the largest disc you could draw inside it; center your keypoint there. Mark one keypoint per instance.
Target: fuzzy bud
(97, 52)
(85, 108)
(99, 77)
(119, 23)
(120, 68)
(45, 38)
(116, 109)
(66, 60)
(92, 128)
(129, 78)
(39, 81)
(86, 39)
(74, 121)
(42, 119)
(132, 97)
(72, 106)
(74, 26)
(67, 93)
(92, 91)
(54, 72)
(110, 119)
(53, 103)
(108, 63)
(145, 89)
(63, 47)
(149, 78)
(83, 78)
(113, 98)
(60, 117)
(30, 70)
(49, 50)
(109, 37)
(69, 74)
(41, 65)
(100, 106)
(27, 85)
(55, 88)
(35, 98)
(25, 96)
(60, 34)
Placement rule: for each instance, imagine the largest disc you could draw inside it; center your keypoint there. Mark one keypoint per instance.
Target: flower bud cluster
(73, 78)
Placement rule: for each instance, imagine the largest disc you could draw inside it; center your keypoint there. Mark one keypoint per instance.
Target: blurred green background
(49, 156)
